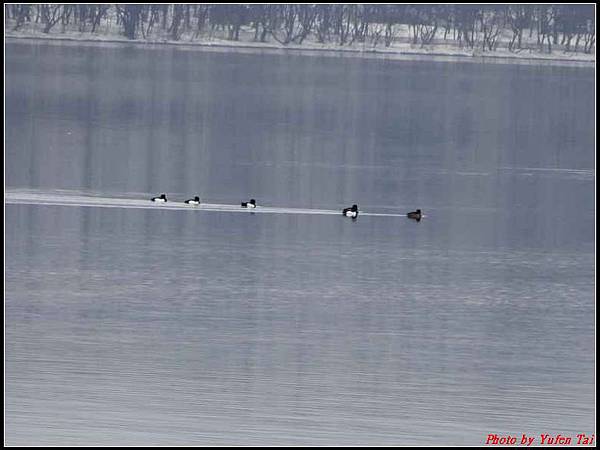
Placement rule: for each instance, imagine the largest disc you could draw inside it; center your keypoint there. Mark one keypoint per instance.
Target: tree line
(570, 27)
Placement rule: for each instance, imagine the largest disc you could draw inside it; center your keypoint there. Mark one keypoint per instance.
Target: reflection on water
(134, 326)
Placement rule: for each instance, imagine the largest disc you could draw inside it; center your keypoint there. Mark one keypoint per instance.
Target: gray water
(149, 326)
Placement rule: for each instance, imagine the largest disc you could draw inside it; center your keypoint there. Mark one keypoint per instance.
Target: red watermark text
(541, 439)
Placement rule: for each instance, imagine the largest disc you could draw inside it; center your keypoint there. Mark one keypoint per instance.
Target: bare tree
(51, 14)
(492, 23)
(544, 26)
(584, 25)
(21, 14)
(564, 26)
(201, 13)
(466, 17)
(129, 16)
(176, 22)
(230, 17)
(341, 23)
(360, 17)
(296, 23)
(323, 23)
(424, 22)
(306, 19)
(518, 17)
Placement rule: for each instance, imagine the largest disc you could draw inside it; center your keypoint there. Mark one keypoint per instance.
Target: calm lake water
(127, 326)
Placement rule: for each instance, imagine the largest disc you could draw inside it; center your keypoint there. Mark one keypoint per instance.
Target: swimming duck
(414, 215)
(351, 212)
(250, 204)
(193, 201)
(162, 198)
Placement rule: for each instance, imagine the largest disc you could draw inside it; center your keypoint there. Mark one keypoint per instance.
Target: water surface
(137, 326)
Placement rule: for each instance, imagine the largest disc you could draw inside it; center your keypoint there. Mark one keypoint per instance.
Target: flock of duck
(346, 212)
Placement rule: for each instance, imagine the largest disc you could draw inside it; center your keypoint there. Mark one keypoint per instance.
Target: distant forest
(570, 28)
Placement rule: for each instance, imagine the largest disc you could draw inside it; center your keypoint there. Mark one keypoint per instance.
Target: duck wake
(73, 199)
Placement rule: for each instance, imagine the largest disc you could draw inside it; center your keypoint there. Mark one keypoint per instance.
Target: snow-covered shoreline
(434, 52)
